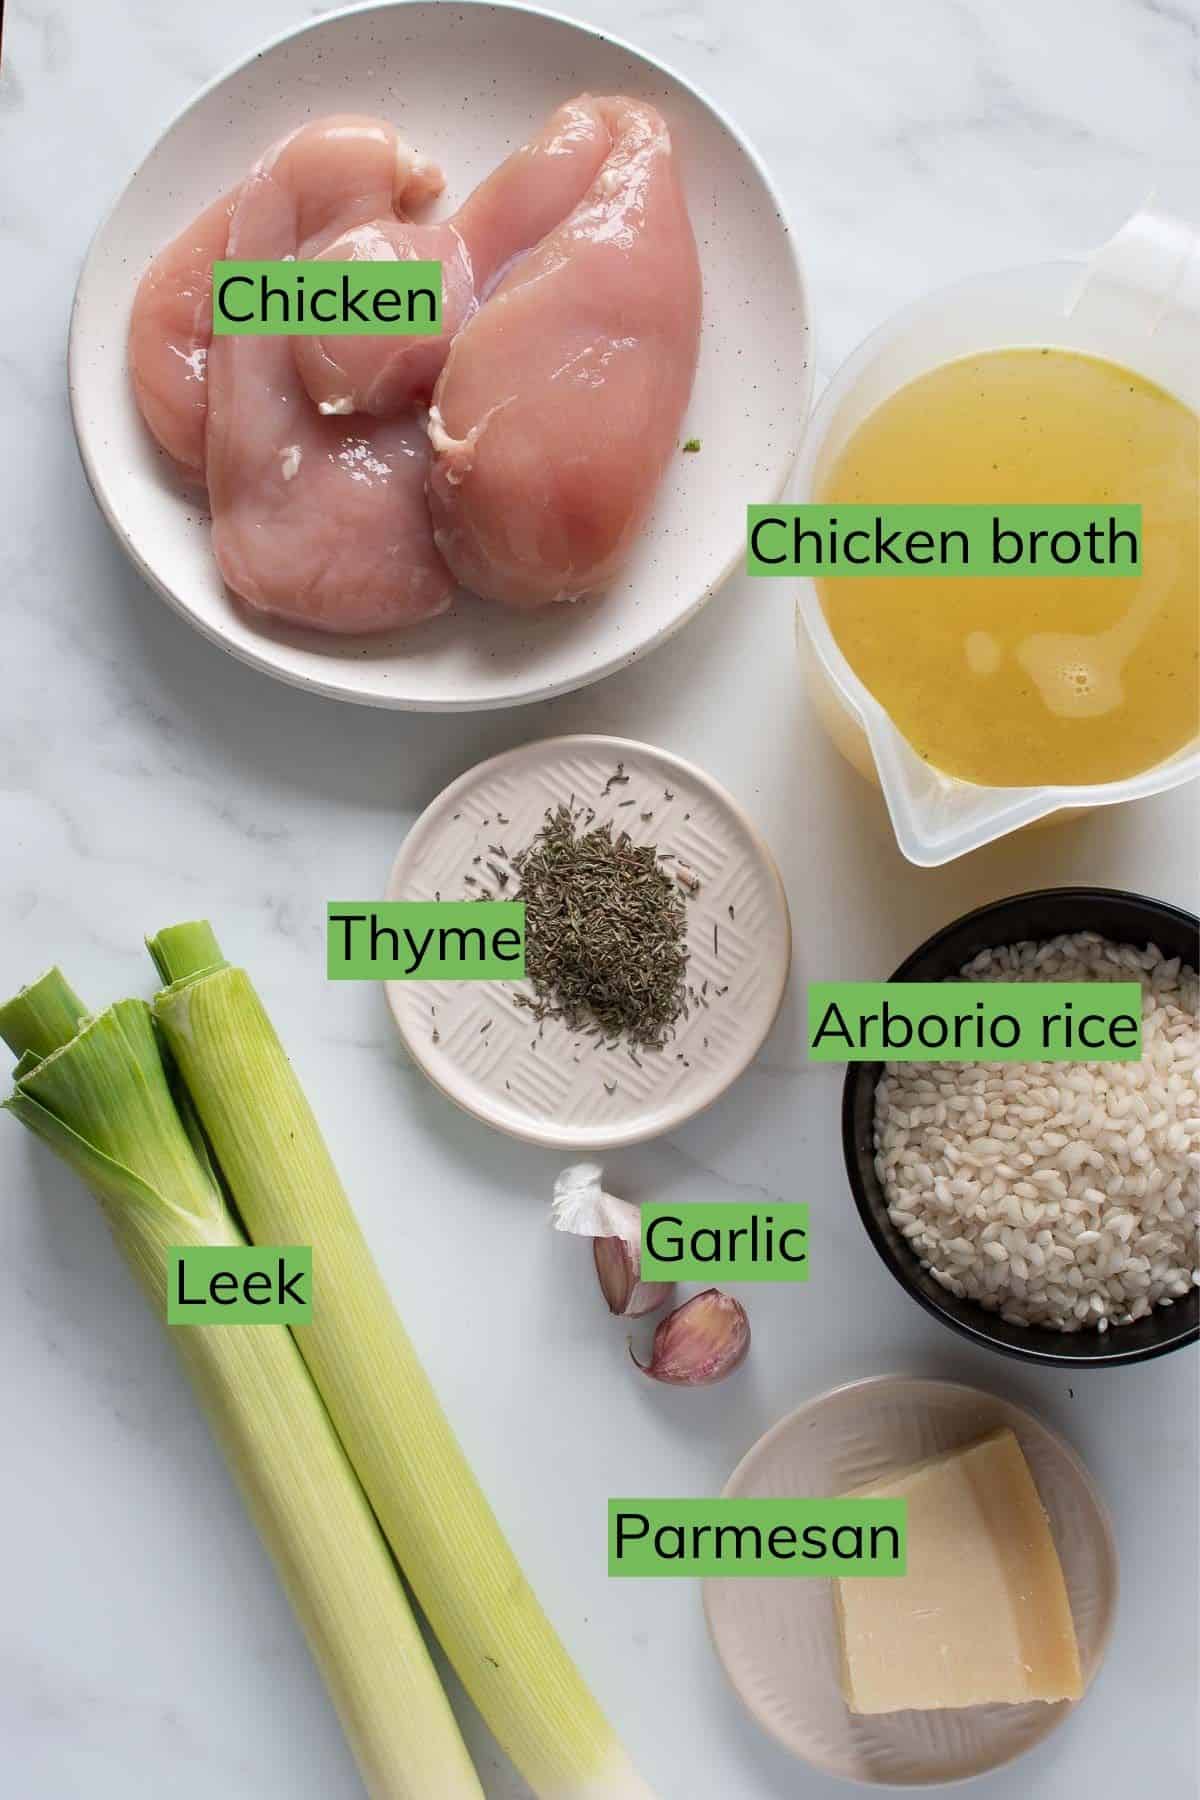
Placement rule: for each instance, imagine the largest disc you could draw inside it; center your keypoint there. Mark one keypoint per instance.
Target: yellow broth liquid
(1024, 681)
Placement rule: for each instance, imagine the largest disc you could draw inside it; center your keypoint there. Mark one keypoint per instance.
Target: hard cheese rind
(982, 1614)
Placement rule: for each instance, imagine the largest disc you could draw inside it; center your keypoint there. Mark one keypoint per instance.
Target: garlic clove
(702, 1341)
(615, 1228)
(618, 1266)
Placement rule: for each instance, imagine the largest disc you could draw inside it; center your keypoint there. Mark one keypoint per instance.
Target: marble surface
(144, 1646)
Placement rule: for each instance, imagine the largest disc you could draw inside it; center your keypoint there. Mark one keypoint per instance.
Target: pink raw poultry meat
(169, 334)
(561, 399)
(317, 520)
(170, 328)
(516, 206)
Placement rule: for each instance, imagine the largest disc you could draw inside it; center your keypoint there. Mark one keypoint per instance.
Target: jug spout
(937, 817)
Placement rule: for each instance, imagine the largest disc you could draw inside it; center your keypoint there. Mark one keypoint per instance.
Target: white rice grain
(1065, 1195)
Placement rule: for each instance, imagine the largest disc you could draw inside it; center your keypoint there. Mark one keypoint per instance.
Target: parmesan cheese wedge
(982, 1614)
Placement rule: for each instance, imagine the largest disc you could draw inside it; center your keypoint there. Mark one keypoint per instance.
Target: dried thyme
(605, 931)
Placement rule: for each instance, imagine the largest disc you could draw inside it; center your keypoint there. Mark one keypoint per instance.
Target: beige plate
(550, 1085)
(466, 84)
(777, 1639)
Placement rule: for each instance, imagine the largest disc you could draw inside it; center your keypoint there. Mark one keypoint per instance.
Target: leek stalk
(436, 1517)
(98, 1092)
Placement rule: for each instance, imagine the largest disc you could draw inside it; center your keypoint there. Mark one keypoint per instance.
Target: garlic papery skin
(618, 1267)
(702, 1341)
(581, 1206)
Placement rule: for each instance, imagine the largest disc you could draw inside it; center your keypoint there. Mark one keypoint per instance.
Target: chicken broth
(1024, 681)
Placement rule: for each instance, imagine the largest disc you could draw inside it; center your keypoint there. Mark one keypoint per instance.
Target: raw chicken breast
(171, 325)
(561, 400)
(319, 521)
(512, 210)
(169, 335)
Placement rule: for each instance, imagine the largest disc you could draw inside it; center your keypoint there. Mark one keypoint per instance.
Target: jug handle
(1153, 262)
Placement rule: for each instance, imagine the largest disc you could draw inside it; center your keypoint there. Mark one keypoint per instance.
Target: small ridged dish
(546, 1083)
(777, 1638)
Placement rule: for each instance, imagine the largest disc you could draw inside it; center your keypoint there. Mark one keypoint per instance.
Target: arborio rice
(1058, 1194)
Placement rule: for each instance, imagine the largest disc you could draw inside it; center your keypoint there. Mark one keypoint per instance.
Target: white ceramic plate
(778, 1640)
(466, 84)
(550, 1085)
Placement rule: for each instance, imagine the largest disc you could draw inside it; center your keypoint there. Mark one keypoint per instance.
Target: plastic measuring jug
(1135, 301)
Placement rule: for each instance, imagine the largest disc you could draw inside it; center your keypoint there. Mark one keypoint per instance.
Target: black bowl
(1123, 918)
